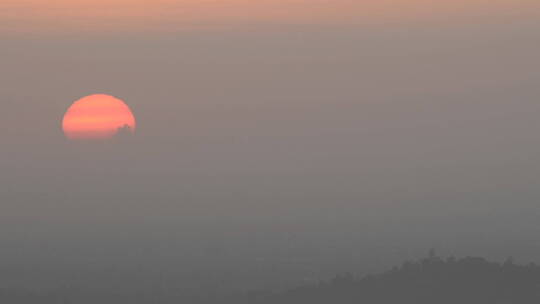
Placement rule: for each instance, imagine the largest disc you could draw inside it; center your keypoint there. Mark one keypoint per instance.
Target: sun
(98, 116)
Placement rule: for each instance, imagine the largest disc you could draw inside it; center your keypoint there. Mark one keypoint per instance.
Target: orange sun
(97, 117)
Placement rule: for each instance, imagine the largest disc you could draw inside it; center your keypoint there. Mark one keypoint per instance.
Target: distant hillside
(431, 280)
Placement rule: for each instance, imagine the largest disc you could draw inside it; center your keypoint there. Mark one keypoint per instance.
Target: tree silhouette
(432, 280)
(124, 132)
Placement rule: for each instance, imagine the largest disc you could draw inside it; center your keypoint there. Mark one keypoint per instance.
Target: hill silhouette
(431, 280)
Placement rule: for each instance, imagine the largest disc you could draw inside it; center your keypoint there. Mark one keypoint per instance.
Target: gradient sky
(171, 15)
(275, 139)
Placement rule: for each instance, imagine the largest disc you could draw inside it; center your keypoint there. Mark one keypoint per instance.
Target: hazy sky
(275, 139)
(101, 16)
